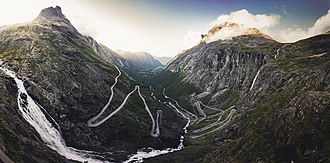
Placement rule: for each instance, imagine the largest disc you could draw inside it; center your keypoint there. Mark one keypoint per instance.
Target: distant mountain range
(140, 60)
(163, 60)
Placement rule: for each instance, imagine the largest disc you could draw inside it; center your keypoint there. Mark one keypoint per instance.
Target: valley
(64, 97)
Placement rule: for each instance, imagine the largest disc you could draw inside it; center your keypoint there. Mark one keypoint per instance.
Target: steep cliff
(63, 72)
(280, 92)
(231, 63)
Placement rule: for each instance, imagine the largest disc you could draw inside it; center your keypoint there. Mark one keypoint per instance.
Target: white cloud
(290, 34)
(227, 33)
(321, 25)
(84, 27)
(248, 20)
(191, 39)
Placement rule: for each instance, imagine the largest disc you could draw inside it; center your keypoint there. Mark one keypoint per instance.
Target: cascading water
(255, 78)
(32, 113)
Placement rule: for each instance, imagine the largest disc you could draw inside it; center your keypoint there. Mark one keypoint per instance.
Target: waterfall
(32, 113)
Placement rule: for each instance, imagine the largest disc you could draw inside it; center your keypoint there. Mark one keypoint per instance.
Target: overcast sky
(166, 27)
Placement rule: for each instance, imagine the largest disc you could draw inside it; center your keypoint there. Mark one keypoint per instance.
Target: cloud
(260, 21)
(322, 25)
(290, 34)
(227, 32)
(295, 33)
(191, 39)
(84, 27)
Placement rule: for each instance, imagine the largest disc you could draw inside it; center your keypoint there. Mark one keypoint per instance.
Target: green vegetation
(174, 83)
(229, 98)
(175, 86)
(290, 63)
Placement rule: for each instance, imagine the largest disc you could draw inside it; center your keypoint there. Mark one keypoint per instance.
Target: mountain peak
(257, 33)
(229, 30)
(51, 14)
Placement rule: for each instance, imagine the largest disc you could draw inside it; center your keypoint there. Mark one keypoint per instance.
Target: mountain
(66, 79)
(163, 60)
(140, 60)
(107, 54)
(133, 64)
(240, 57)
(275, 96)
(237, 96)
(229, 30)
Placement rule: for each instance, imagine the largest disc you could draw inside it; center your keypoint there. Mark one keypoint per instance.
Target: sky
(166, 27)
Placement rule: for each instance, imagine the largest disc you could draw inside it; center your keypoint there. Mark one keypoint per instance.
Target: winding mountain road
(31, 112)
(222, 125)
(210, 107)
(89, 123)
(316, 55)
(141, 154)
(155, 131)
(217, 122)
(176, 102)
(200, 111)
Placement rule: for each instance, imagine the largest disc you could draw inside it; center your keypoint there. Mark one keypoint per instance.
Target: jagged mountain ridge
(64, 73)
(52, 15)
(128, 61)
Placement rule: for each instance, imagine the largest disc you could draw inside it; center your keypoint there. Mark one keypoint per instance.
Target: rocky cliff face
(284, 117)
(225, 64)
(281, 97)
(18, 139)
